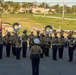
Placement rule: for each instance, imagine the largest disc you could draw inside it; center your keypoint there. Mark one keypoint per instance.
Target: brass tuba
(48, 29)
(16, 27)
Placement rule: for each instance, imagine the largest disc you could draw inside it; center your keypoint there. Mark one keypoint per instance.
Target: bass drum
(16, 26)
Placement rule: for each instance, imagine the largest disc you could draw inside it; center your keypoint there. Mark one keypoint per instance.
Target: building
(40, 10)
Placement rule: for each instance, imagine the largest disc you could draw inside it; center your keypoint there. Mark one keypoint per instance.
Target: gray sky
(43, 0)
(51, 2)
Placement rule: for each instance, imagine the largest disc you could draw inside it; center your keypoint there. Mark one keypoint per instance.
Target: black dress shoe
(55, 59)
(69, 60)
(60, 57)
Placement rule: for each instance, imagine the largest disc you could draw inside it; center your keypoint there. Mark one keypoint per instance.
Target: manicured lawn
(28, 21)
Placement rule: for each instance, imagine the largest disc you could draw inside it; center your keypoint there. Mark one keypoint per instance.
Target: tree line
(11, 6)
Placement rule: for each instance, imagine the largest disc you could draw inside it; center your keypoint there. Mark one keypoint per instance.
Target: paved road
(11, 66)
(55, 17)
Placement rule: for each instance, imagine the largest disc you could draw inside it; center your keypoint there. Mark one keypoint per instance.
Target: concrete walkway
(55, 17)
(11, 66)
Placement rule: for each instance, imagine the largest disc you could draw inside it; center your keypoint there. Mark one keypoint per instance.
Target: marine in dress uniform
(54, 46)
(61, 42)
(48, 43)
(71, 47)
(42, 44)
(38, 34)
(31, 40)
(1, 45)
(69, 36)
(24, 43)
(13, 43)
(18, 46)
(8, 44)
(35, 57)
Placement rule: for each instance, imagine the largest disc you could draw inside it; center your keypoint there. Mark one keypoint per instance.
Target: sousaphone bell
(48, 29)
(16, 27)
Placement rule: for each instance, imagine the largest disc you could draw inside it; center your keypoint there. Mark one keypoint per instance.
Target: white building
(40, 10)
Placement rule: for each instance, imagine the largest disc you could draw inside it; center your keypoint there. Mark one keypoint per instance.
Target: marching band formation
(47, 41)
(39, 45)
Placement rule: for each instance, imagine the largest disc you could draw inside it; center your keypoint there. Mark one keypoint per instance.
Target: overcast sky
(42, 0)
(51, 2)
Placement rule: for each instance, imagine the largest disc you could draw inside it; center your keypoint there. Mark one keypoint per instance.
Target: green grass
(28, 21)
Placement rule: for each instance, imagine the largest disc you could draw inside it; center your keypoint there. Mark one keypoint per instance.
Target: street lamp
(63, 11)
(33, 7)
(34, 4)
(44, 8)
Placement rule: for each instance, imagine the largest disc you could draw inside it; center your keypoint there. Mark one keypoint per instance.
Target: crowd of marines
(47, 41)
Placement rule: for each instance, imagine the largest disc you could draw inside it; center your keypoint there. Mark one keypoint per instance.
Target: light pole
(63, 11)
(34, 4)
(74, 8)
(33, 8)
(44, 8)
